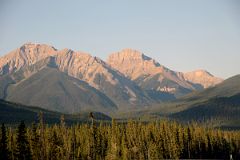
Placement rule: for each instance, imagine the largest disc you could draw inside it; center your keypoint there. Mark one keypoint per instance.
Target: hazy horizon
(181, 35)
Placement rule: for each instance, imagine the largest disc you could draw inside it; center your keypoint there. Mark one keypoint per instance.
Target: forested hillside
(133, 140)
(13, 113)
(226, 109)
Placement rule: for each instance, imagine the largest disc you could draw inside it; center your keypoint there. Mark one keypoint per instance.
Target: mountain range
(151, 75)
(71, 82)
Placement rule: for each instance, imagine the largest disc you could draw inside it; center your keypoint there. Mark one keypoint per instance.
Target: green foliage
(131, 140)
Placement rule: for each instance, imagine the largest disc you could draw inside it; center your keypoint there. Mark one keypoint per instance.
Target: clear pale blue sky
(183, 35)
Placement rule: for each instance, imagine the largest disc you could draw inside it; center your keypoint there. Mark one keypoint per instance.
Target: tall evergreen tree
(4, 152)
(73, 144)
(55, 147)
(23, 148)
(42, 136)
(35, 143)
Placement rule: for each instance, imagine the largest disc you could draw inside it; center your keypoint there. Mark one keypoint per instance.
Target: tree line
(132, 140)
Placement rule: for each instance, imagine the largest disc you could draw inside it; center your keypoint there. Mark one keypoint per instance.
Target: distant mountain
(151, 75)
(26, 55)
(227, 88)
(220, 104)
(101, 76)
(202, 78)
(66, 81)
(69, 81)
(54, 90)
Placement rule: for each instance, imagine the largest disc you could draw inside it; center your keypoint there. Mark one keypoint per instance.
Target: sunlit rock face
(151, 75)
(80, 65)
(101, 76)
(27, 54)
(148, 73)
(128, 78)
(203, 78)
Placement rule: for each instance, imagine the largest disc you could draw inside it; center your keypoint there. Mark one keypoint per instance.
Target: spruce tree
(4, 152)
(55, 146)
(73, 144)
(42, 139)
(35, 143)
(23, 148)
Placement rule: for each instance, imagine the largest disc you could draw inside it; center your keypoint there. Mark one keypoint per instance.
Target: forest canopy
(132, 140)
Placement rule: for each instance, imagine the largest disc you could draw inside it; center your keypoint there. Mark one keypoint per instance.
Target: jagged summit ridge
(128, 78)
(147, 72)
(80, 65)
(27, 54)
(131, 55)
(132, 63)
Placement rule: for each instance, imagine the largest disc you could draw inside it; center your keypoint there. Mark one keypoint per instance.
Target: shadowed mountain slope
(44, 85)
(13, 113)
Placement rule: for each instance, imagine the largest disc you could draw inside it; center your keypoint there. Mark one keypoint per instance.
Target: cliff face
(148, 73)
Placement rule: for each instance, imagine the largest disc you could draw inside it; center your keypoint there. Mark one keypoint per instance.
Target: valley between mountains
(128, 83)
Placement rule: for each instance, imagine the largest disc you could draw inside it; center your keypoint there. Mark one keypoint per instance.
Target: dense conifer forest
(132, 140)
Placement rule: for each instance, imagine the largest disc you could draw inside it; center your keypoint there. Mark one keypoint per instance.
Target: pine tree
(11, 143)
(4, 152)
(35, 143)
(189, 142)
(42, 137)
(93, 142)
(55, 147)
(73, 144)
(23, 148)
(113, 149)
(124, 149)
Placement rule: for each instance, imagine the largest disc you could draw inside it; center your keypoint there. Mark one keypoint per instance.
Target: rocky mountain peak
(133, 63)
(130, 55)
(201, 72)
(33, 47)
(27, 54)
(202, 77)
(150, 74)
(145, 76)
